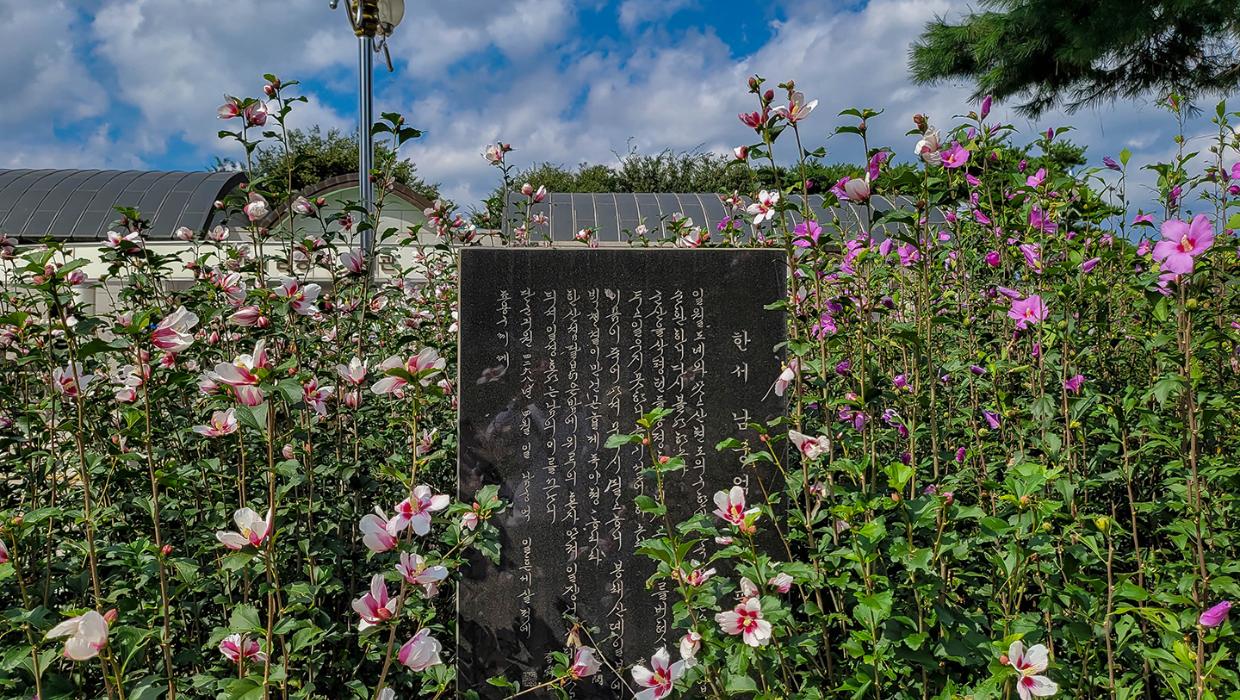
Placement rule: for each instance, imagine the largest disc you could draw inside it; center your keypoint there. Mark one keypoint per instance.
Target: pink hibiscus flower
(1182, 242)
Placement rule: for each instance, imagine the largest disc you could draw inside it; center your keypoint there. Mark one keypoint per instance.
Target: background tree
(666, 171)
(669, 171)
(317, 156)
(1072, 53)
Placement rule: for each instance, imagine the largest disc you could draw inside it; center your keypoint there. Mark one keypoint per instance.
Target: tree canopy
(318, 155)
(1078, 53)
(670, 171)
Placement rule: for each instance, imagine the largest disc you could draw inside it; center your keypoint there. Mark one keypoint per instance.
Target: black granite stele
(560, 349)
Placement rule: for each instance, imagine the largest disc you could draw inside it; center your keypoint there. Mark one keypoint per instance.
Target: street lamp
(369, 19)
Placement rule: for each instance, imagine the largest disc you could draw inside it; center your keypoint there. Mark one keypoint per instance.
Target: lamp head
(391, 12)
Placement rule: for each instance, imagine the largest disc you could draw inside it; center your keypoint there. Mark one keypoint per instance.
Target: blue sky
(135, 83)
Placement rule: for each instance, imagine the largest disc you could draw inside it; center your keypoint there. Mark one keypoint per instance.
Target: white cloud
(176, 61)
(44, 83)
(472, 71)
(685, 94)
(636, 12)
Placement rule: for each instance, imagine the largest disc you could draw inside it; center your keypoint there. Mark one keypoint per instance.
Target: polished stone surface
(558, 350)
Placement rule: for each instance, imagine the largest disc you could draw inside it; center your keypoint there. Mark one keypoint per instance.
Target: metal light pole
(369, 18)
(365, 151)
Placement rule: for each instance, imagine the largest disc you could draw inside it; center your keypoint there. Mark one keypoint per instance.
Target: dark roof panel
(174, 205)
(14, 190)
(606, 216)
(79, 205)
(75, 204)
(30, 201)
(52, 204)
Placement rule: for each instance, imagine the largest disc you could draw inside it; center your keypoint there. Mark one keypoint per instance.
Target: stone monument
(560, 349)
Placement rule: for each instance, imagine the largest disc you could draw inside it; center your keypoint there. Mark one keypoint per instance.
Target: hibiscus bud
(527, 189)
(1003, 659)
(1216, 615)
(949, 498)
(320, 201)
(690, 644)
(166, 550)
(645, 441)
(218, 204)
(895, 497)
(287, 451)
(1103, 523)
(754, 83)
(269, 90)
(920, 121)
(111, 615)
(768, 96)
(664, 459)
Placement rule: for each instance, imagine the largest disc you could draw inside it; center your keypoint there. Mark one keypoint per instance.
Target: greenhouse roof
(611, 214)
(79, 205)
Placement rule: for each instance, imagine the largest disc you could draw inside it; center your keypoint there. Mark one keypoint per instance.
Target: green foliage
(1051, 53)
(958, 475)
(961, 483)
(127, 496)
(314, 156)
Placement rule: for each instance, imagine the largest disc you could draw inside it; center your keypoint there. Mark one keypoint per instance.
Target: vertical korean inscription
(576, 346)
(521, 499)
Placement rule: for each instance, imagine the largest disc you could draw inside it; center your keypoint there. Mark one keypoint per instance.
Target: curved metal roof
(344, 182)
(78, 205)
(612, 214)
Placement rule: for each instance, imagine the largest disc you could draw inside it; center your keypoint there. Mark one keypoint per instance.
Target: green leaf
(737, 684)
(1167, 387)
(254, 417)
(652, 418)
(290, 389)
(149, 688)
(873, 608)
(245, 689)
(244, 618)
(648, 505)
(501, 682)
(621, 440)
(237, 560)
(898, 475)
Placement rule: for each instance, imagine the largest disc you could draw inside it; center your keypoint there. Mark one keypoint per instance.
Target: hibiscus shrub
(233, 489)
(1009, 459)
(1013, 462)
